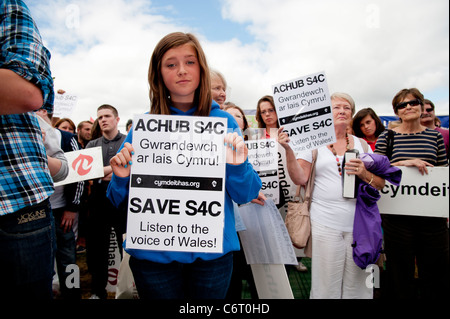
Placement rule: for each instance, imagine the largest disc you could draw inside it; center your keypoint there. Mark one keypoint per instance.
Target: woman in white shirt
(334, 274)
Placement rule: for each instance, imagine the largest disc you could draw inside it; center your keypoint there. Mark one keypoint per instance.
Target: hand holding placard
(236, 149)
(122, 161)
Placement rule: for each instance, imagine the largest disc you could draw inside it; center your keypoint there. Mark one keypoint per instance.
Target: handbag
(298, 223)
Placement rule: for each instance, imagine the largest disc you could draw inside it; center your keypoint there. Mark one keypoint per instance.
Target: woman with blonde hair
(219, 88)
(334, 274)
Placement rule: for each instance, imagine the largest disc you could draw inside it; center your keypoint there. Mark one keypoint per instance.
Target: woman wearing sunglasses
(415, 239)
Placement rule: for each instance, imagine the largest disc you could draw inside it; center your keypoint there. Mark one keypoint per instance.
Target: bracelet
(371, 180)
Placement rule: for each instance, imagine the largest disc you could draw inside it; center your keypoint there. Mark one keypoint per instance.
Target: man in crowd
(27, 236)
(102, 214)
(428, 119)
(84, 130)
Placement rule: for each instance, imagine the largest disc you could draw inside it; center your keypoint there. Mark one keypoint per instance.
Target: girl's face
(238, 117)
(180, 71)
(65, 126)
(368, 126)
(268, 114)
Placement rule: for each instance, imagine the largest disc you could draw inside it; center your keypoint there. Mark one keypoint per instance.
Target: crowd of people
(41, 223)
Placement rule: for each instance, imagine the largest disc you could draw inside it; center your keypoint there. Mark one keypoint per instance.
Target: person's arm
(121, 163)
(57, 161)
(416, 162)
(73, 193)
(240, 174)
(298, 169)
(17, 95)
(356, 167)
(54, 165)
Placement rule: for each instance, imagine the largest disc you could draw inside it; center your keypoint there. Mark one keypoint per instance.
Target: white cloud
(370, 49)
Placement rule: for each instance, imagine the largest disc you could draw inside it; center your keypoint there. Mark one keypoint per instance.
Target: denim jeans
(27, 247)
(199, 280)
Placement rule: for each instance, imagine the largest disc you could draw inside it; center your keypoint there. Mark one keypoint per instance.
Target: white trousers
(334, 274)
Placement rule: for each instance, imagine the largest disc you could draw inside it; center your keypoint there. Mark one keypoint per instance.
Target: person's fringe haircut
(159, 95)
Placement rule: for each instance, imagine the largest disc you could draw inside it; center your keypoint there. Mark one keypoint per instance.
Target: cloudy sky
(369, 49)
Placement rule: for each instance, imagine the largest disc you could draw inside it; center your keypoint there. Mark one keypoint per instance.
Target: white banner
(176, 200)
(263, 155)
(417, 195)
(83, 165)
(303, 107)
(64, 105)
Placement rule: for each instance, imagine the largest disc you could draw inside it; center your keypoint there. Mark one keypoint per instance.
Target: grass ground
(300, 281)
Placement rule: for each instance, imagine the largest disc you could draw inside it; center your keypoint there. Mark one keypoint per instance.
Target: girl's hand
(260, 199)
(236, 149)
(283, 138)
(122, 161)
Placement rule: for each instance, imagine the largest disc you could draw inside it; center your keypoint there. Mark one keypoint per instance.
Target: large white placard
(263, 155)
(83, 165)
(417, 195)
(303, 108)
(176, 200)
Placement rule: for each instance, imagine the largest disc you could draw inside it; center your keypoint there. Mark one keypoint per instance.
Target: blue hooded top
(242, 184)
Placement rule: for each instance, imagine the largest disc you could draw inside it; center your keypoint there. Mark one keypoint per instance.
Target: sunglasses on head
(401, 106)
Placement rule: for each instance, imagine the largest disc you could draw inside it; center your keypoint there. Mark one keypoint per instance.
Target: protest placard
(64, 105)
(266, 239)
(83, 165)
(176, 199)
(271, 281)
(303, 108)
(268, 248)
(263, 155)
(417, 195)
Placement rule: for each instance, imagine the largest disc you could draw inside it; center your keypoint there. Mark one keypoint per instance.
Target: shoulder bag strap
(312, 176)
(389, 143)
(307, 189)
(364, 145)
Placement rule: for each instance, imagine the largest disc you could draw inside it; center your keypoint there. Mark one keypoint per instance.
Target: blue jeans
(27, 248)
(199, 280)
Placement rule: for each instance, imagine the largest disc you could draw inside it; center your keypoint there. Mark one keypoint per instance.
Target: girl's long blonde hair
(159, 95)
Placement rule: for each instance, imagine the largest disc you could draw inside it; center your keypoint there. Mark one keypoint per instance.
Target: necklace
(335, 154)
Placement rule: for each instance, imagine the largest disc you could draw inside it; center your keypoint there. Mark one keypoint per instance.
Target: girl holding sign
(180, 84)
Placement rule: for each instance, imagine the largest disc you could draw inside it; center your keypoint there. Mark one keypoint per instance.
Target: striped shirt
(427, 145)
(24, 175)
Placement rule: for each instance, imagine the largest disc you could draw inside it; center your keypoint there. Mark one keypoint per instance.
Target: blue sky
(370, 49)
(205, 16)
